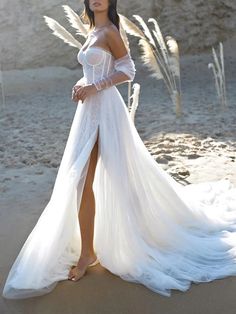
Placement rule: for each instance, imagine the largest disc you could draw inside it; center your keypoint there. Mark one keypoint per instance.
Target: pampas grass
(126, 42)
(160, 56)
(60, 32)
(76, 22)
(2, 87)
(218, 70)
(135, 96)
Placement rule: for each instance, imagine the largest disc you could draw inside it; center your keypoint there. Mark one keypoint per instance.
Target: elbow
(132, 70)
(130, 74)
(127, 66)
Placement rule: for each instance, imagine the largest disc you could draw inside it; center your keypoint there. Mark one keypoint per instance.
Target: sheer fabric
(123, 65)
(148, 228)
(126, 65)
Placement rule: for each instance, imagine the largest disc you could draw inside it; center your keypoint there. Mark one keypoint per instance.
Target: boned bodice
(97, 63)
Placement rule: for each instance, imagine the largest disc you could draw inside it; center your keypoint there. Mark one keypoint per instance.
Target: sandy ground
(34, 125)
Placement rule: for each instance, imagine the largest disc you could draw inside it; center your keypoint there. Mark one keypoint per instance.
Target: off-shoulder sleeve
(126, 65)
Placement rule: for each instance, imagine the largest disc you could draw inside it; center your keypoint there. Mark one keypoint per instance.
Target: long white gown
(149, 229)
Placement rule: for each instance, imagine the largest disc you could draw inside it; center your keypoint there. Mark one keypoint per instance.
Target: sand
(34, 126)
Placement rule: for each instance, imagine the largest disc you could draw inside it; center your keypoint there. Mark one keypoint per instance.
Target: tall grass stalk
(218, 70)
(159, 55)
(2, 87)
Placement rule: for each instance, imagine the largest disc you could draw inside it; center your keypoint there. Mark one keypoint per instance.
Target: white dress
(148, 229)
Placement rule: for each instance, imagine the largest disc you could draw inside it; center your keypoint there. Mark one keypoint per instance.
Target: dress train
(148, 228)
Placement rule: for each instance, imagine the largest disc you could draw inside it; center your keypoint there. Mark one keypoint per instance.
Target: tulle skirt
(148, 228)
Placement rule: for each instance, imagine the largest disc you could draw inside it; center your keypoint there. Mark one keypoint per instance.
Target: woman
(146, 228)
(105, 36)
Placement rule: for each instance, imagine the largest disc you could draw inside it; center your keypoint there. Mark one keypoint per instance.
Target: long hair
(88, 15)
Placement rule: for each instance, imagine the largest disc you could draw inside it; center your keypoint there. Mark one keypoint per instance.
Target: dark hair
(88, 15)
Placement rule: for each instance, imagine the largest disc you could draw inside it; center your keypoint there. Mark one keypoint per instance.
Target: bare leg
(86, 220)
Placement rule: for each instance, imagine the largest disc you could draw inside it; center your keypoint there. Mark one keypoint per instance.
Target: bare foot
(78, 271)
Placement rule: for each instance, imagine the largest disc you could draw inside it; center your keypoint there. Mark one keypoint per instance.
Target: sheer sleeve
(126, 65)
(124, 72)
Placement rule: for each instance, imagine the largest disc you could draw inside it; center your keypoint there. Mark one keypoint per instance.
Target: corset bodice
(97, 63)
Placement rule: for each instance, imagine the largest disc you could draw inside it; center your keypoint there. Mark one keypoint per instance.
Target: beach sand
(197, 147)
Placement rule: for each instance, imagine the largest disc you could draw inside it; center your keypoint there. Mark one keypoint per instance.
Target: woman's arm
(123, 64)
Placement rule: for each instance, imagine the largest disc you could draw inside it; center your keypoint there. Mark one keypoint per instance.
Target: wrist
(94, 87)
(103, 83)
(98, 85)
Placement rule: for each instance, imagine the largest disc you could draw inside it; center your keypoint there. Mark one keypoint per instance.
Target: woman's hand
(81, 92)
(74, 89)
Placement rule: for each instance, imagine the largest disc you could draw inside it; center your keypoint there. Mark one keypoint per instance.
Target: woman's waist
(89, 78)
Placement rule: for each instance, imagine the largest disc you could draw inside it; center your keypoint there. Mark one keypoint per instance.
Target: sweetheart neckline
(96, 47)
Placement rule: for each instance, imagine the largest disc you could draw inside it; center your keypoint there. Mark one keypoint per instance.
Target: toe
(70, 275)
(71, 272)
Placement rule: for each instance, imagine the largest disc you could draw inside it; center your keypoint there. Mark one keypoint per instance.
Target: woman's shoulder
(115, 42)
(112, 34)
(112, 29)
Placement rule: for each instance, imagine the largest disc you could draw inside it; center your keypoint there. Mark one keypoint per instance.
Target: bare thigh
(92, 166)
